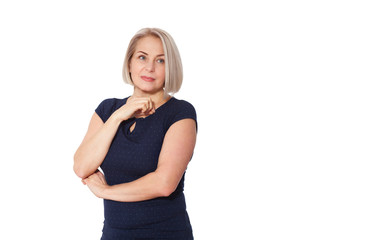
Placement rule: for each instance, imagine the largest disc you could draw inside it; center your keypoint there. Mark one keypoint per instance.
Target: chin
(149, 88)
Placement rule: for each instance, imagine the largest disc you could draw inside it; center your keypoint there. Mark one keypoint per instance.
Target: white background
(285, 97)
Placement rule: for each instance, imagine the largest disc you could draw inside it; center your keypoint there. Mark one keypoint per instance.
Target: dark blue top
(135, 154)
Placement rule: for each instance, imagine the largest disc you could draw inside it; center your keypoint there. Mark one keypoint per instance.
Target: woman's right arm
(94, 147)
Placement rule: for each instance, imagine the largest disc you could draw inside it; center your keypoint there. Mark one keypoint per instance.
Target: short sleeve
(182, 111)
(105, 109)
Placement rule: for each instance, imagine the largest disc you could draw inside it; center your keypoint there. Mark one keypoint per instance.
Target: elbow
(78, 170)
(166, 189)
(165, 184)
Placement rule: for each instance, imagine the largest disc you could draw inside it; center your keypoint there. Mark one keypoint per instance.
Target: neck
(158, 97)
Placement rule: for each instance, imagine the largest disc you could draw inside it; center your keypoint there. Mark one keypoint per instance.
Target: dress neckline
(156, 110)
(138, 121)
(165, 103)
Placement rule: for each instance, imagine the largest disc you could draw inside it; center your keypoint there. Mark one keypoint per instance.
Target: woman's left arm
(176, 152)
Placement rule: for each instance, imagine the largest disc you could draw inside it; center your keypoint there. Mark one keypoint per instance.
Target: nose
(150, 66)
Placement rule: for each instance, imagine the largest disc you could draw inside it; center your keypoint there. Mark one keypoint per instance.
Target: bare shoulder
(180, 139)
(183, 126)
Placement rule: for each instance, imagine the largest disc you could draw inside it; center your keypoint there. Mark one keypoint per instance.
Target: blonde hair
(173, 65)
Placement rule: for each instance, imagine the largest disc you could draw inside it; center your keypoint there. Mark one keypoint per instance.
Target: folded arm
(97, 141)
(176, 152)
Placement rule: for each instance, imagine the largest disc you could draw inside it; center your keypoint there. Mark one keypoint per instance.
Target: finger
(145, 107)
(150, 104)
(143, 115)
(146, 104)
(153, 106)
(103, 179)
(142, 106)
(151, 111)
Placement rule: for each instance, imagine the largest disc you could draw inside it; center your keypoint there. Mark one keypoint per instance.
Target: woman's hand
(138, 107)
(96, 183)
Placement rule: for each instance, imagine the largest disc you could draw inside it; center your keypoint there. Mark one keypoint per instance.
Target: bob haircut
(173, 65)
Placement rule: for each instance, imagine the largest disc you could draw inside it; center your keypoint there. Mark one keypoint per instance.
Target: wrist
(106, 192)
(115, 118)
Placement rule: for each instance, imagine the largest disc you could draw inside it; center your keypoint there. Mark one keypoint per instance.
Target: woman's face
(147, 65)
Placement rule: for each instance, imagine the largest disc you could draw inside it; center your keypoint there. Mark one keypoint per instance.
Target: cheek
(161, 72)
(130, 66)
(134, 66)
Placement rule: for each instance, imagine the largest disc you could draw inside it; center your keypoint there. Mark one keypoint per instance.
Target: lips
(147, 79)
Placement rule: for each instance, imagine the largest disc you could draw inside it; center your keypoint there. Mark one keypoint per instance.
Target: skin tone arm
(94, 147)
(176, 152)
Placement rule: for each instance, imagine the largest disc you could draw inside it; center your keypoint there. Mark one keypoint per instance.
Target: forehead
(150, 45)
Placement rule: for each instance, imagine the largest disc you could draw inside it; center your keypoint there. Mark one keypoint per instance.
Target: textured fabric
(133, 154)
(160, 230)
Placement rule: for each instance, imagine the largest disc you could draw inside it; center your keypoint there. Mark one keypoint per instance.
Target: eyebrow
(148, 54)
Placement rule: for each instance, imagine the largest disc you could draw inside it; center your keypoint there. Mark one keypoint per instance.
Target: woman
(143, 144)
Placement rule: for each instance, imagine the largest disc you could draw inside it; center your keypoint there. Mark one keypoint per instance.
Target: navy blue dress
(133, 154)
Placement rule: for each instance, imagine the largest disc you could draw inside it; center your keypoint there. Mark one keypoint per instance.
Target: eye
(160, 61)
(141, 57)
